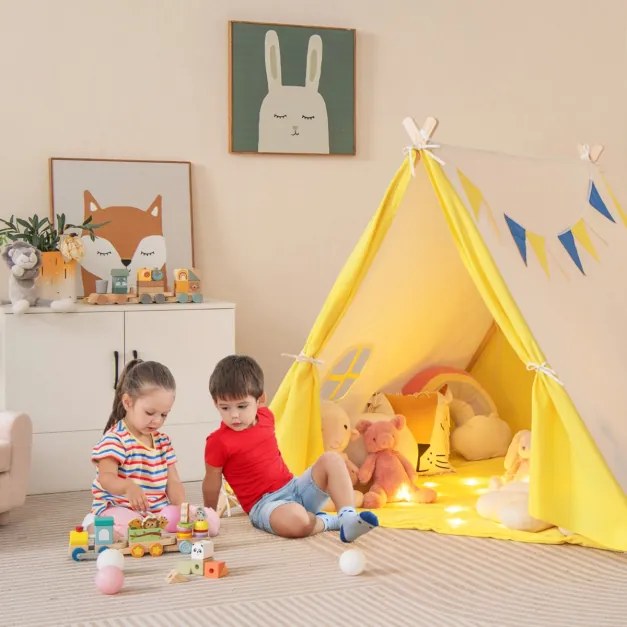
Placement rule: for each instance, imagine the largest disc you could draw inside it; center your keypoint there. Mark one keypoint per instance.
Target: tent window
(344, 373)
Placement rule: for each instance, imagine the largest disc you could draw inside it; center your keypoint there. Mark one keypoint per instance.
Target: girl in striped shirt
(135, 460)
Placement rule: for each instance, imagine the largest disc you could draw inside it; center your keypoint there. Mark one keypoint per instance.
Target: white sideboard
(61, 369)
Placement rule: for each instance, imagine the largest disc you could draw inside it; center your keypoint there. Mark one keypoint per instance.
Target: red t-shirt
(250, 460)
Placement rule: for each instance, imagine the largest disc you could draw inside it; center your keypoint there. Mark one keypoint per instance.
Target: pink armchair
(16, 439)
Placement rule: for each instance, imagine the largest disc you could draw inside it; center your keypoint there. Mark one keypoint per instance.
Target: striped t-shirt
(148, 467)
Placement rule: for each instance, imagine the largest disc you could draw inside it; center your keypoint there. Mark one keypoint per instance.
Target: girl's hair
(236, 377)
(137, 376)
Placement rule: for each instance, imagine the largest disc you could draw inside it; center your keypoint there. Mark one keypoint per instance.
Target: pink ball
(109, 580)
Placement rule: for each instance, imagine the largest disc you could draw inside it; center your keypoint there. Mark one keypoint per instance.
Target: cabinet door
(60, 368)
(190, 342)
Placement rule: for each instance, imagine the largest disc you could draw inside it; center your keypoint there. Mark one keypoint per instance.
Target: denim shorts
(302, 490)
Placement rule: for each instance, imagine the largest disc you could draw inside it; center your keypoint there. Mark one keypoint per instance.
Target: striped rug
(412, 579)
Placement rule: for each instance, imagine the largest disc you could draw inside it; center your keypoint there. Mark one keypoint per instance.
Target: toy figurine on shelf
(187, 285)
(151, 286)
(119, 281)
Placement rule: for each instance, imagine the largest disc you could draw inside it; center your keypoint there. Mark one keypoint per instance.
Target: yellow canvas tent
(464, 243)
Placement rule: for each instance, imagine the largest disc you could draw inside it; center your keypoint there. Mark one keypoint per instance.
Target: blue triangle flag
(597, 202)
(519, 234)
(568, 241)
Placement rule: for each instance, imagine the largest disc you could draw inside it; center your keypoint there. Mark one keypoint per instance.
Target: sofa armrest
(17, 429)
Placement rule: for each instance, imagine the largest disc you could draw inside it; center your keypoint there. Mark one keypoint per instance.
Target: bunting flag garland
(573, 239)
(519, 234)
(597, 202)
(568, 241)
(473, 193)
(538, 243)
(476, 199)
(619, 208)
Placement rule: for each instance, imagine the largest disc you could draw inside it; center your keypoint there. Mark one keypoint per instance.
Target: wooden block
(202, 550)
(198, 567)
(215, 570)
(175, 577)
(184, 567)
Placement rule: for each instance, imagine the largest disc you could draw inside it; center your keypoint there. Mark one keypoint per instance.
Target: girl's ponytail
(117, 411)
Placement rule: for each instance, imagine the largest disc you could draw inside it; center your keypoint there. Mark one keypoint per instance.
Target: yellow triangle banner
(473, 193)
(621, 211)
(538, 243)
(581, 235)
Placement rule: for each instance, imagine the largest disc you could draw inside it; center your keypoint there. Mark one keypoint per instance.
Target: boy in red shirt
(244, 449)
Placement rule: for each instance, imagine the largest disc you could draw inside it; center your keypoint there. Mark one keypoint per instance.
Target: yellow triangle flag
(538, 243)
(473, 193)
(581, 235)
(621, 211)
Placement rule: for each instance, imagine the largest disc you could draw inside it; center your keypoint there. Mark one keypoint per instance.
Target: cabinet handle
(135, 354)
(116, 356)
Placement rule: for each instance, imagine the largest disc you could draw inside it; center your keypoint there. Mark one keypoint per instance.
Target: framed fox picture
(146, 209)
(292, 89)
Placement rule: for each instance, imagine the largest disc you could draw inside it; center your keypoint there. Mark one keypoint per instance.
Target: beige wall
(148, 79)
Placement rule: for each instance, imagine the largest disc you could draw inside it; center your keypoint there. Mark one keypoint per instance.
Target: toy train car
(145, 535)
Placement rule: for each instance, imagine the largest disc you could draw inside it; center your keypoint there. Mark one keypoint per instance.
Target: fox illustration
(132, 239)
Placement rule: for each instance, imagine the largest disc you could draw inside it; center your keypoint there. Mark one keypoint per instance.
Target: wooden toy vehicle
(187, 286)
(83, 546)
(146, 535)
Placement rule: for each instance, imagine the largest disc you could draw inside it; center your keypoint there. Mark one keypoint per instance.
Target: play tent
(513, 268)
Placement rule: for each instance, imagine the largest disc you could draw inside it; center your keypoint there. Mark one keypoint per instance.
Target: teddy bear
(24, 262)
(507, 501)
(336, 435)
(390, 471)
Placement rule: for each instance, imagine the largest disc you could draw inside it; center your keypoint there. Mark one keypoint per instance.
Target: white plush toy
(24, 261)
(336, 435)
(508, 500)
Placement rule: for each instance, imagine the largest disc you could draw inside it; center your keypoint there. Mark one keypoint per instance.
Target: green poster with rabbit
(292, 89)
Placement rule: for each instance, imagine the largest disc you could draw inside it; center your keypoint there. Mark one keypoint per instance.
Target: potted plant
(60, 246)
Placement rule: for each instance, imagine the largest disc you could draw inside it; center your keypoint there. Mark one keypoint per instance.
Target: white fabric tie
(544, 369)
(423, 145)
(303, 358)
(584, 154)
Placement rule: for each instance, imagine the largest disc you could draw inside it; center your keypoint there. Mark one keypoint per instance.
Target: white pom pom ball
(110, 557)
(352, 562)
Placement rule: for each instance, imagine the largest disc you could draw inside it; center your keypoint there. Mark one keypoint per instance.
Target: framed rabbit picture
(292, 89)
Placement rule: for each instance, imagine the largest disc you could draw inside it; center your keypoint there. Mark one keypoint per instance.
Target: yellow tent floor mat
(454, 512)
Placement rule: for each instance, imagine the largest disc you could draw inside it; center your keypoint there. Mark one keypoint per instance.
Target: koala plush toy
(24, 261)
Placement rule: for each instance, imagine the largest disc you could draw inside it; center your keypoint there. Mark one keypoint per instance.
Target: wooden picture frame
(292, 89)
(147, 206)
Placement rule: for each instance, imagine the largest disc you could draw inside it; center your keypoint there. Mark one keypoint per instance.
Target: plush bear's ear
(399, 422)
(363, 425)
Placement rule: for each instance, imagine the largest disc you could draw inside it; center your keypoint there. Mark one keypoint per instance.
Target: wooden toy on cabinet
(187, 285)
(119, 281)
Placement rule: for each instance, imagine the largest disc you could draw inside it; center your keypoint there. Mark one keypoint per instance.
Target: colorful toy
(508, 500)
(145, 535)
(187, 285)
(110, 557)
(352, 562)
(150, 286)
(119, 281)
(336, 435)
(109, 580)
(479, 433)
(201, 562)
(392, 475)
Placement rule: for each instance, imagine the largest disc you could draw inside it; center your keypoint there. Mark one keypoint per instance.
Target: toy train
(151, 288)
(145, 535)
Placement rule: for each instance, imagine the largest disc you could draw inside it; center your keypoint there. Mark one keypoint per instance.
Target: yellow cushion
(428, 418)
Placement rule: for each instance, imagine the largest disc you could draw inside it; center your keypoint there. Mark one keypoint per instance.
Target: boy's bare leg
(294, 521)
(331, 475)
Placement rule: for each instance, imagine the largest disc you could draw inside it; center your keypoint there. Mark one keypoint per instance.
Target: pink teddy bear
(390, 471)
